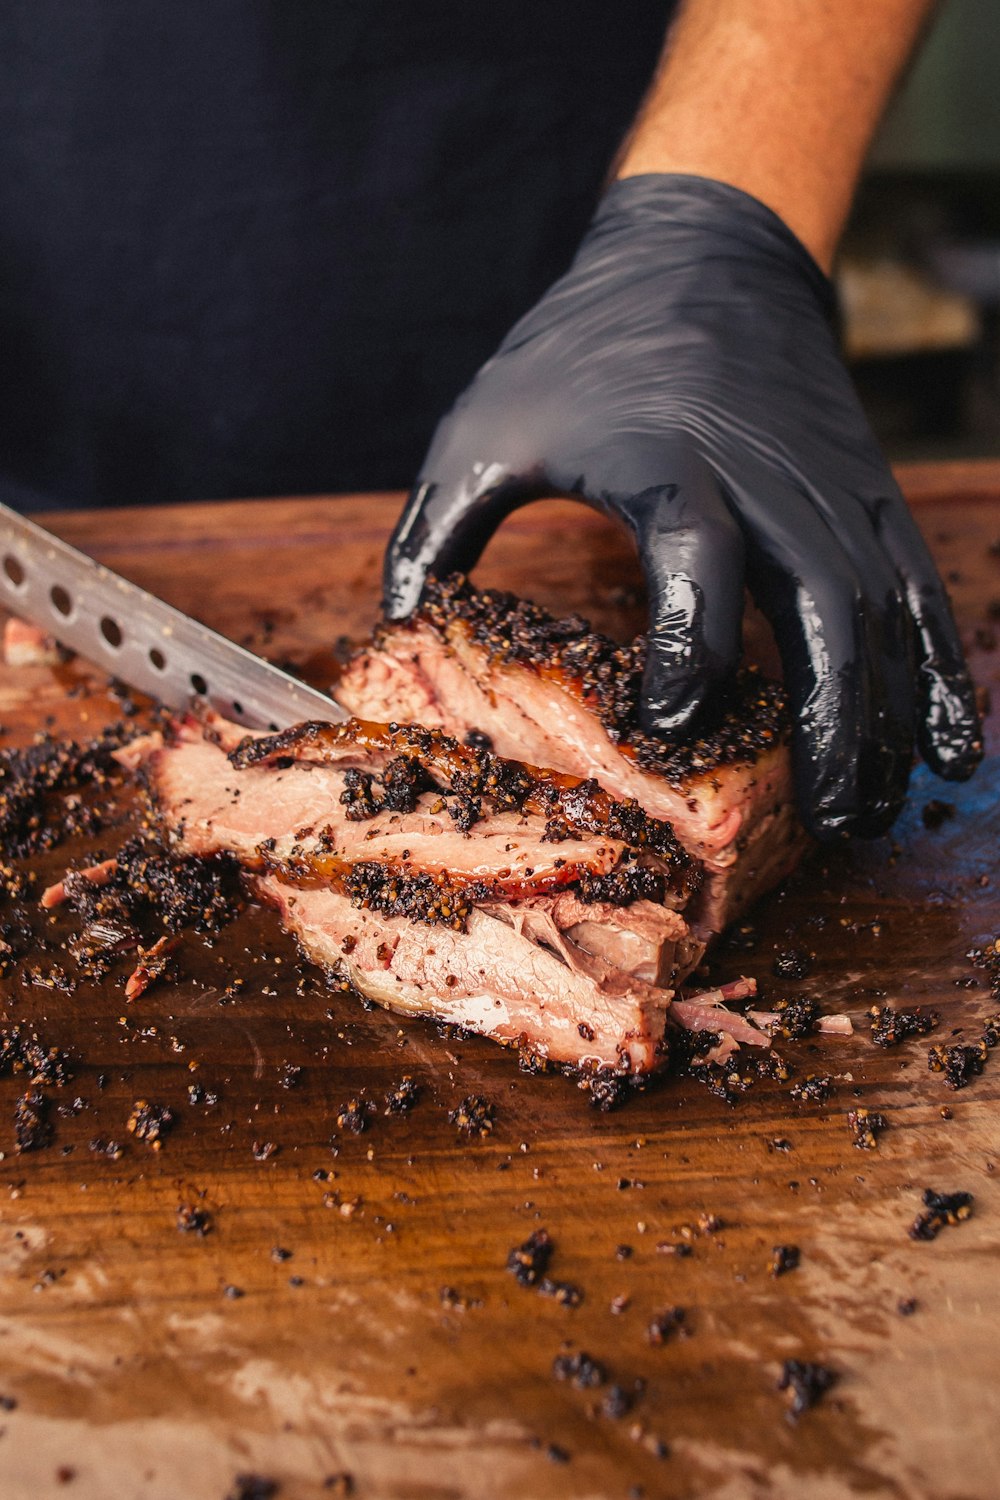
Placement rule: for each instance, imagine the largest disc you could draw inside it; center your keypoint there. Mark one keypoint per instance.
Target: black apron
(254, 247)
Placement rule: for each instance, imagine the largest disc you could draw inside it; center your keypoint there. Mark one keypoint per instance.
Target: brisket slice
(308, 821)
(522, 957)
(557, 694)
(494, 978)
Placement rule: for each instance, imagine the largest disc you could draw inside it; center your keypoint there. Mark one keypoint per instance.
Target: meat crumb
(193, 1220)
(580, 1369)
(564, 1292)
(617, 1403)
(936, 812)
(794, 1017)
(670, 1247)
(866, 1126)
(453, 1300)
(815, 1088)
(959, 1063)
(101, 1146)
(353, 1115)
(664, 1324)
(940, 1209)
(32, 1129)
(155, 964)
(401, 1099)
(474, 1116)
(792, 963)
(150, 1123)
(529, 1262)
(890, 1027)
(807, 1381)
(253, 1487)
(784, 1258)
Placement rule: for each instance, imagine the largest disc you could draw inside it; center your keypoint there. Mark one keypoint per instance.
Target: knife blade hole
(158, 659)
(237, 707)
(14, 570)
(111, 631)
(273, 728)
(199, 684)
(60, 599)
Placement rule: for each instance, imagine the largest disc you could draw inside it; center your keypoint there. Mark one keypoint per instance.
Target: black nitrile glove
(684, 376)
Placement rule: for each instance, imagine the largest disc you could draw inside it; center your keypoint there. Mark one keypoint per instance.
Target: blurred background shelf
(919, 276)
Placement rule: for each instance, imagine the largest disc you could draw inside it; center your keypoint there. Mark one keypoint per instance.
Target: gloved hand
(684, 376)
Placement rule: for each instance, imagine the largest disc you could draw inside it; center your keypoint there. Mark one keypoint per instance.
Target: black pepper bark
(748, 718)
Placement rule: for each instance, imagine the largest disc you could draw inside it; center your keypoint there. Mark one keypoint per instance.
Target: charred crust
(466, 777)
(629, 883)
(749, 718)
(35, 812)
(150, 885)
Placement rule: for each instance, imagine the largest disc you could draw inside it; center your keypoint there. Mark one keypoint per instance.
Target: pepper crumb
(935, 812)
(353, 1115)
(193, 1220)
(529, 1262)
(150, 1123)
(401, 1099)
(792, 963)
(664, 1324)
(32, 1129)
(890, 1027)
(617, 1403)
(866, 1126)
(795, 1017)
(474, 1116)
(784, 1258)
(959, 1063)
(101, 1146)
(253, 1487)
(940, 1209)
(580, 1369)
(814, 1088)
(807, 1381)
(564, 1292)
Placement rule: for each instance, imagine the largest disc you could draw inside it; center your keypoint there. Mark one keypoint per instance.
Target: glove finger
(843, 637)
(458, 501)
(691, 551)
(949, 731)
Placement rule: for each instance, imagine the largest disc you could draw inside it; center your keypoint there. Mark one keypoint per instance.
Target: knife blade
(141, 640)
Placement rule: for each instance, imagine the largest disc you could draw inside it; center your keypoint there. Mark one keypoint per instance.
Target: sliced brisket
(493, 920)
(554, 693)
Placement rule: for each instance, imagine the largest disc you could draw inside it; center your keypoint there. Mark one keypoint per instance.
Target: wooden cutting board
(347, 1325)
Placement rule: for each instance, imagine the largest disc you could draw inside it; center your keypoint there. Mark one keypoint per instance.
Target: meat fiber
(489, 665)
(442, 880)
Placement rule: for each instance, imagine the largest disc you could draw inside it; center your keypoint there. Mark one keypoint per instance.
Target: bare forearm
(778, 97)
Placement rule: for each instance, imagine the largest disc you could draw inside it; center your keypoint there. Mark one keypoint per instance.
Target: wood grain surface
(348, 1324)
